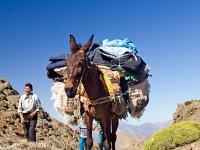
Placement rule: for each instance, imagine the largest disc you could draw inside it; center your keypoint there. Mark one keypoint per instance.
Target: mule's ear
(72, 42)
(88, 43)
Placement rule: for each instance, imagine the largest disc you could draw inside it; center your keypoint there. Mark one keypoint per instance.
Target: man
(29, 105)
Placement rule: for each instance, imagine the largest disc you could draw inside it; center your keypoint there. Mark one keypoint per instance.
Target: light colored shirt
(29, 104)
(82, 128)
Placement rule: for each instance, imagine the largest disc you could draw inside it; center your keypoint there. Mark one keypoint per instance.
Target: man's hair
(29, 85)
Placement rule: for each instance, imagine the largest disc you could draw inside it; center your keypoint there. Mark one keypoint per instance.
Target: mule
(79, 70)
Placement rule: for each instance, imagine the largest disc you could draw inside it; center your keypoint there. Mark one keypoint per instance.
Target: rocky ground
(192, 146)
(51, 134)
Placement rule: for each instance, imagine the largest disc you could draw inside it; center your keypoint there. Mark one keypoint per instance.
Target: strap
(21, 105)
(96, 101)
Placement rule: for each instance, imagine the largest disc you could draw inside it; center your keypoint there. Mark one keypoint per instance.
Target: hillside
(51, 134)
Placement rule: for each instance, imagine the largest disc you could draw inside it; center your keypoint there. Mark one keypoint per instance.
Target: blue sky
(166, 32)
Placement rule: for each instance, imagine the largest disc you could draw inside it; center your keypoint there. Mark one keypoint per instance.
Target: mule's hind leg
(115, 122)
(89, 140)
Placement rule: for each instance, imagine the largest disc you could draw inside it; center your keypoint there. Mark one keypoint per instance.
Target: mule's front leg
(115, 123)
(89, 140)
(107, 131)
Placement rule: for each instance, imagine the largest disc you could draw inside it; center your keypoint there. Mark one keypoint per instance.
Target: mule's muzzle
(70, 92)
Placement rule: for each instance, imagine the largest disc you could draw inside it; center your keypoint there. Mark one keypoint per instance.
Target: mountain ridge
(144, 130)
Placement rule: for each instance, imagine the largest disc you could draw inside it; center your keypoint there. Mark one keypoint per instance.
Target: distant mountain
(145, 130)
(125, 139)
(131, 137)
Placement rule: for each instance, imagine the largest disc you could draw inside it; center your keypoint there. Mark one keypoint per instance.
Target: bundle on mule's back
(67, 107)
(138, 95)
(139, 98)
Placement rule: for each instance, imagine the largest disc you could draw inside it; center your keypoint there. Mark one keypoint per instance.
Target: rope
(130, 78)
(96, 101)
(122, 94)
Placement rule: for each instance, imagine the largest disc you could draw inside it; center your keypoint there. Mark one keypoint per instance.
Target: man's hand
(21, 118)
(74, 134)
(99, 129)
(33, 114)
(95, 127)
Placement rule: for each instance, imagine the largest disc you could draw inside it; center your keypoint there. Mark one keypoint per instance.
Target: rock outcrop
(190, 110)
(51, 134)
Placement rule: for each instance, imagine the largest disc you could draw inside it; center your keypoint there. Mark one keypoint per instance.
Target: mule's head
(76, 64)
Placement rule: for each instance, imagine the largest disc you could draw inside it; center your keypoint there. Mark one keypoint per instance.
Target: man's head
(28, 88)
(83, 119)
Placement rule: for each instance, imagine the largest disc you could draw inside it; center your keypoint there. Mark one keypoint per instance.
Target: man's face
(27, 90)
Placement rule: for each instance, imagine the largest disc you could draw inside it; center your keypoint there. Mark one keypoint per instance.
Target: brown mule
(79, 70)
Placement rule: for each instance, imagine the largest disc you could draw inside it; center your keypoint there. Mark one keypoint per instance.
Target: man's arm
(20, 110)
(38, 106)
(21, 117)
